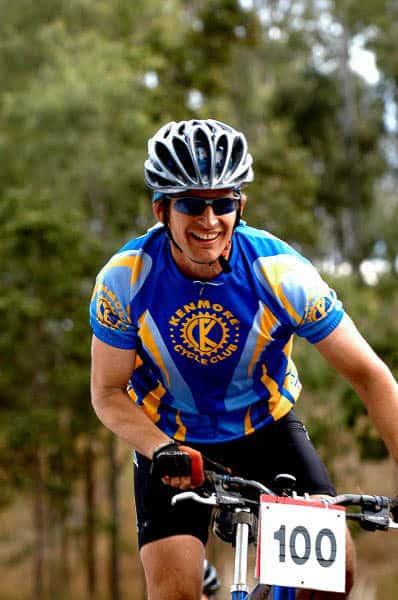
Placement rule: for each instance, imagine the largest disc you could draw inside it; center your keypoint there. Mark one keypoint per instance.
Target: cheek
(177, 225)
(229, 224)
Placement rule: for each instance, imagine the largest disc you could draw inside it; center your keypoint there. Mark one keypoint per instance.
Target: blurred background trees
(313, 84)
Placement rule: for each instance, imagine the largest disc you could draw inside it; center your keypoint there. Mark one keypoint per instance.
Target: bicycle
(238, 503)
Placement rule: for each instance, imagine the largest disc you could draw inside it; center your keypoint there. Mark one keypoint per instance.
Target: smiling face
(202, 238)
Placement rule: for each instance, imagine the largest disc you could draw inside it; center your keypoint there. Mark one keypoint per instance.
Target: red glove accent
(197, 469)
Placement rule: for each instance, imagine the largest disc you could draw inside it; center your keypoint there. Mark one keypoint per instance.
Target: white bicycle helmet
(197, 155)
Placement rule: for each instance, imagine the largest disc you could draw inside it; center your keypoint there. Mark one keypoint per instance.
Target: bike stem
(239, 589)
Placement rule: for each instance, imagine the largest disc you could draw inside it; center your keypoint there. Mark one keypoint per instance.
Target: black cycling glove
(173, 460)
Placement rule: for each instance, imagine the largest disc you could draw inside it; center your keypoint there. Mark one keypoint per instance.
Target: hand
(178, 466)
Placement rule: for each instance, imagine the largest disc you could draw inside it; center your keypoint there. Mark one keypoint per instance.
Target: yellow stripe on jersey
(132, 394)
(149, 343)
(138, 361)
(291, 382)
(267, 324)
(181, 432)
(280, 408)
(248, 423)
(151, 403)
(287, 350)
(270, 384)
(278, 405)
(133, 262)
(274, 273)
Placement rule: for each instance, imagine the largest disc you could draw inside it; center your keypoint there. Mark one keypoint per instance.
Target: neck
(194, 270)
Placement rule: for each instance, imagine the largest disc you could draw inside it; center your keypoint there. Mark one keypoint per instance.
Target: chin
(208, 256)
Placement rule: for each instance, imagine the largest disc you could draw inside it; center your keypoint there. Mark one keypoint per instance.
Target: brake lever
(211, 500)
(371, 520)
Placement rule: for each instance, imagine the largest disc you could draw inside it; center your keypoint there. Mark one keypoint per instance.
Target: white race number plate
(301, 544)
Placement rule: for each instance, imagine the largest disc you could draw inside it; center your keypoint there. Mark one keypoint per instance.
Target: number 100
(302, 532)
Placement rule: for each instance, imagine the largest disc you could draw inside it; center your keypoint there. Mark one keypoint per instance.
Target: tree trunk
(113, 494)
(90, 554)
(52, 562)
(64, 557)
(39, 525)
(350, 228)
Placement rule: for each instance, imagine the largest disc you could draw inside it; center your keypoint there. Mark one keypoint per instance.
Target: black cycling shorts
(282, 447)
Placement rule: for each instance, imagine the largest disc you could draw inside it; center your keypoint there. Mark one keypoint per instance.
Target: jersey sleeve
(307, 303)
(116, 286)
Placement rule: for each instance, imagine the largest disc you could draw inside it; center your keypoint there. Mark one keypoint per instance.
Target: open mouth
(205, 237)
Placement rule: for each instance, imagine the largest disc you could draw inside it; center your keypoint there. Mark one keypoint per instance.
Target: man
(193, 325)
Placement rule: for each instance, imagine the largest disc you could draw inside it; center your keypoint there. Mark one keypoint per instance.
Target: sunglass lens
(190, 206)
(223, 206)
(195, 206)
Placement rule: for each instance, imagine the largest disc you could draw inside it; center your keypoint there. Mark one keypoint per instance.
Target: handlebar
(221, 489)
(211, 500)
(227, 491)
(377, 511)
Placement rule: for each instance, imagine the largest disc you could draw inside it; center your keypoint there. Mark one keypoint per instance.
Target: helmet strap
(166, 204)
(222, 259)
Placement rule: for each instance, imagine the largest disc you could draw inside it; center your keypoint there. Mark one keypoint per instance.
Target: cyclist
(193, 325)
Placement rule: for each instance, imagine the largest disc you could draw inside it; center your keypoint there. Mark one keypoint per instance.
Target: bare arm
(374, 383)
(110, 373)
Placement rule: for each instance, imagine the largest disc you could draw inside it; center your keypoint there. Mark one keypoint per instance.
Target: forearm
(380, 396)
(129, 422)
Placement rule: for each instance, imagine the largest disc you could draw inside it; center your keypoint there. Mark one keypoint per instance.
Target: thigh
(297, 455)
(156, 517)
(173, 568)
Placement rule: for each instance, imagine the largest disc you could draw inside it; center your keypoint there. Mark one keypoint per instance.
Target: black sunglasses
(195, 205)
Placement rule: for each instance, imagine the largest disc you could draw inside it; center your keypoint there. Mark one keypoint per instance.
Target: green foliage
(84, 84)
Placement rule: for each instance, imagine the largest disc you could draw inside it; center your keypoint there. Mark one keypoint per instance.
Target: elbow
(97, 401)
(376, 378)
(100, 397)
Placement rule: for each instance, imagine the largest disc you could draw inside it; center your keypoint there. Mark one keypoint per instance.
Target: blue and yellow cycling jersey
(213, 357)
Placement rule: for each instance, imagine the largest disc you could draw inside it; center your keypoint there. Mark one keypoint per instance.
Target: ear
(243, 200)
(158, 211)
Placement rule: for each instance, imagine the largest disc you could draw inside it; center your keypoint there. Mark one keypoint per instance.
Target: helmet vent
(185, 158)
(221, 155)
(157, 180)
(167, 132)
(166, 158)
(237, 152)
(203, 154)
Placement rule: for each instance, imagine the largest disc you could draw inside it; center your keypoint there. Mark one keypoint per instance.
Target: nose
(208, 216)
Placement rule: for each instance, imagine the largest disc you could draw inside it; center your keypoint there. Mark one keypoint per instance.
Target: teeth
(206, 236)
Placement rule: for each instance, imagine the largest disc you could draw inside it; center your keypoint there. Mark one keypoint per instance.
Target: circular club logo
(204, 332)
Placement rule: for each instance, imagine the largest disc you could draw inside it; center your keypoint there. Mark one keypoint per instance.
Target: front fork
(281, 593)
(239, 588)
